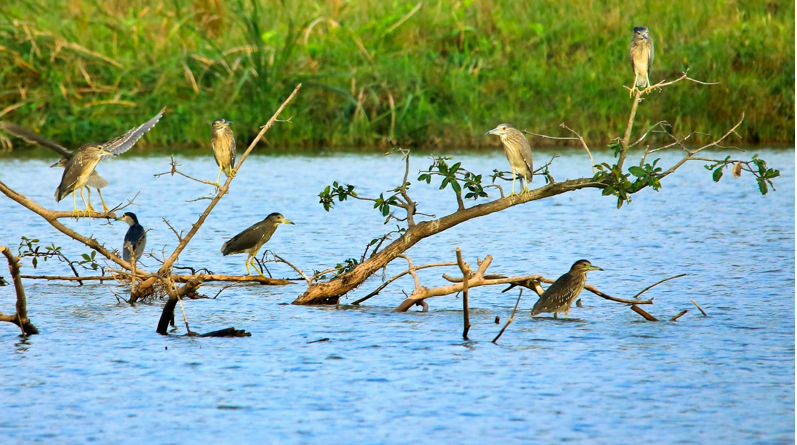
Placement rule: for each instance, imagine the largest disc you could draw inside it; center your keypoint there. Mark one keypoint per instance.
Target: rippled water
(99, 372)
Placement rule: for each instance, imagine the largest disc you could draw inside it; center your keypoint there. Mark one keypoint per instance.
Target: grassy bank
(439, 73)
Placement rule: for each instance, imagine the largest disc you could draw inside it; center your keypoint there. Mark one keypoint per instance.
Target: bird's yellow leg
(104, 207)
(218, 178)
(233, 172)
(514, 176)
(85, 206)
(257, 268)
(88, 190)
(75, 213)
(567, 311)
(633, 86)
(247, 266)
(525, 185)
(648, 89)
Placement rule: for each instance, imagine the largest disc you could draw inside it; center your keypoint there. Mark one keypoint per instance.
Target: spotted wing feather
(126, 141)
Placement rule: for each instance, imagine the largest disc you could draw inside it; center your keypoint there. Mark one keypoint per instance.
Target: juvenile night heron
(223, 143)
(253, 238)
(564, 291)
(135, 238)
(79, 167)
(95, 180)
(641, 52)
(518, 153)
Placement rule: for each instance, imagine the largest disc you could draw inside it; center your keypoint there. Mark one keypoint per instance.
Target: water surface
(99, 372)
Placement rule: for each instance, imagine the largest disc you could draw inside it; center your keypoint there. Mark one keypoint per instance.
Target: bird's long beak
(594, 268)
(491, 131)
(56, 164)
(227, 122)
(287, 221)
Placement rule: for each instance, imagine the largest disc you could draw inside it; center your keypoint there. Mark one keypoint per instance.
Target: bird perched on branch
(641, 52)
(518, 153)
(95, 180)
(253, 238)
(223, 143)
(564, 291)
(135, 238)
(79, 167)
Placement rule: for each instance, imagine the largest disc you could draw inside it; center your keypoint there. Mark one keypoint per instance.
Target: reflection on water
(98, 372)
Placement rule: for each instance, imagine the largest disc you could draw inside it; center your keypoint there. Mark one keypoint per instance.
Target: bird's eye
(504, 128)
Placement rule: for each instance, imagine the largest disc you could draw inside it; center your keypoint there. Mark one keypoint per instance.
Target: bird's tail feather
(224, 250)
(641, 82)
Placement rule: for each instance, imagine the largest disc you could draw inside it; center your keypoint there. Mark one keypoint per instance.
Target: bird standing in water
(641, 52)
(518, 153)
(223, 143)
(564, 291)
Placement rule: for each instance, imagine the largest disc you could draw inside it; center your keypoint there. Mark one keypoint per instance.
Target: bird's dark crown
(581, 264)
(274, 215)
(640, 30)
(132, 216)
(221, 123)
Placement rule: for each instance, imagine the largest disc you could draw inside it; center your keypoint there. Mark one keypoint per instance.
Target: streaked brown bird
(95, 180)
(223, 143)
(641, 52)
(78, 168)
(564, 291)
(518, 153)
(252, 239)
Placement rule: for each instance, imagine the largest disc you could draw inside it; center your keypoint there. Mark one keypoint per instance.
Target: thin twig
(511, 318)
(698, 306)
(396, 277)
(657, 283)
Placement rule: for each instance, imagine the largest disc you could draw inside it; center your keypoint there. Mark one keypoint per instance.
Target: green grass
(87, 69)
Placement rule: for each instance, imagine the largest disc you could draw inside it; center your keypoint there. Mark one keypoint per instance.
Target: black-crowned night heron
(135, 238)
(518, 153)
(223, 143)
(641, 58)
(253, 238)
(564, 291)
(79, 167)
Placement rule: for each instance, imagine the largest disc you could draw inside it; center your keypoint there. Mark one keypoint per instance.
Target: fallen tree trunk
(330, 291)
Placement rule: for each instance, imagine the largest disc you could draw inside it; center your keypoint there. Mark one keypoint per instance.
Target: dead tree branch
(20, 318)
(511, 318)
(466, 273)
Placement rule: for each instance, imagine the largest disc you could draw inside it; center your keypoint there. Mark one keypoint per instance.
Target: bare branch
(466, 272)
(223, 190)
(698, 306)
(657, 283)
(299, 271)
(642, 312)
(680, 314)
(511, 318)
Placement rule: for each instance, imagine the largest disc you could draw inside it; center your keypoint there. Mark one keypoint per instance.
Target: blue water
(98, 372)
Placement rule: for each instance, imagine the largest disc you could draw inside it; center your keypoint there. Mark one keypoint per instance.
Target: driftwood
(698, 306)
(20, 318)
(680, 314)
(642, 312)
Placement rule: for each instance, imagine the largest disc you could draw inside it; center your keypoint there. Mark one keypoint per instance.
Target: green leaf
(762, 187)
(35, 262)
(455, 185)
(717, 174)
(637, 171)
